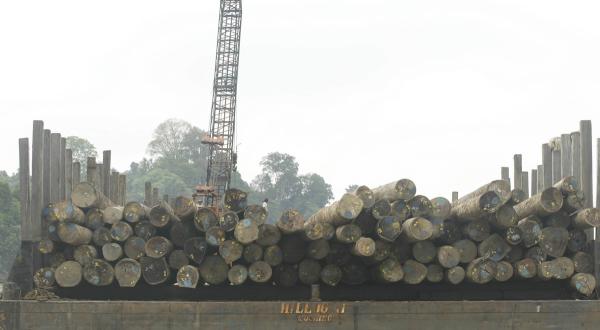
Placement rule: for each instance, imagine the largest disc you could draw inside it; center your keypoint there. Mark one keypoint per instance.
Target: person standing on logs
(265, 204)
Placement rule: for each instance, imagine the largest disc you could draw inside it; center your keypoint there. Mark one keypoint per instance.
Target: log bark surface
(85, 195)
(74, 234)
(476, 207)
(417, 229)
(403, 189)
(340, 212)
(545, 203)
(587, 218)
(366, 195)
(134, 212)
(112, 214)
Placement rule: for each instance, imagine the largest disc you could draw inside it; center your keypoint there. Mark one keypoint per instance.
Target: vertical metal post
(547, 163)
(122, 189)
(106, 162)
(114, 187)
(22, 269)
(518, 169)
(585, 127)
(37, 179)
(534, 182)
(598, 174)
(576, 155)
(68, 173)
(76, 173)
(62, 169)
(525, 182)
(54, 167)
(540, 178)
(505, 174)
(556, 165)
(454, 196)
(566, 155)
(100, 176)
(46, 171)
(91, 169)
(24, 196)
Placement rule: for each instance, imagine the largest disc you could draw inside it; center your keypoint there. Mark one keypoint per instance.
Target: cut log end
(188, 277)
(366, 195)
(128, 272)
(417, 229)
(260, 272)
(583, 283)
(99, 273)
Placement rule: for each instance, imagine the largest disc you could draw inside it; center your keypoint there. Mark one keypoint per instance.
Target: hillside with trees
(176, 163)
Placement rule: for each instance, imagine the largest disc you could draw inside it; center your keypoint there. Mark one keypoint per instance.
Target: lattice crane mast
(222, 158)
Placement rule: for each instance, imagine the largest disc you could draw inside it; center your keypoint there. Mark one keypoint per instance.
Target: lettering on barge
(314, 312)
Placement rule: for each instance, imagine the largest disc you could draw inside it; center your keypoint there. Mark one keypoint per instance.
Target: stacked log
(385, 235)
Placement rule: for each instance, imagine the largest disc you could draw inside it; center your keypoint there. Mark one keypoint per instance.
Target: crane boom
(222, 156)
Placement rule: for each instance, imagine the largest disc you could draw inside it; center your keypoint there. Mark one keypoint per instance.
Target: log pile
(385, 235)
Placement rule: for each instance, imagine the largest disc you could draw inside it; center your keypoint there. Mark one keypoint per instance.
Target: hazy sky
(442, 92)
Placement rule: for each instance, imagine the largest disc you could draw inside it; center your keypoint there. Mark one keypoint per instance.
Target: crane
(222, 157)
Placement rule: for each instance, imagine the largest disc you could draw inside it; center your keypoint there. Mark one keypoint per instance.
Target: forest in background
(176, 162)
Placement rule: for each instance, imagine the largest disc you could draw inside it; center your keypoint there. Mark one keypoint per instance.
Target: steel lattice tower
(222, 156)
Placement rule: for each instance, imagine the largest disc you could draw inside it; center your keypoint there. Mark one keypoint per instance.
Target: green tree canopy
(176, 149)
(11, 180)
(179, 161)
(280, 183)
(178, 140)
(9, 228)
(82, 149)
